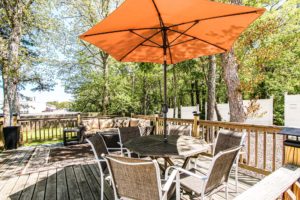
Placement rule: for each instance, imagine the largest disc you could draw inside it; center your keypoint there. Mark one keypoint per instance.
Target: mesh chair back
(227, 140)
(134, 178)
(127, 133)
(99, 147)
(220, 168)
(180, 130)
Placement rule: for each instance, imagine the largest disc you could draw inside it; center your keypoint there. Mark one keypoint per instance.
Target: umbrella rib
(146, 45)
(118, 31)
(215, 17)
(158, 45)
(159, 15)
(139, 45)
(168, 46)
(194, 24)
(215, 45)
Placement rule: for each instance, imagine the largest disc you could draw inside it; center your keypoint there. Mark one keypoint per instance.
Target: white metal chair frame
(122, 148)
(163, 190)
(169, 128)
(224, 185)
(236, 163)
(99, 160)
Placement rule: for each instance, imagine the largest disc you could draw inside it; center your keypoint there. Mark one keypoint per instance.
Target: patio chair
(179, 130)
(225, 140)
(140, 179)
(128, 133)
(99, 148)
(205, 185)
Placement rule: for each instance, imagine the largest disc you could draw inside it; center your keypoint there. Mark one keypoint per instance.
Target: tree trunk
(10, 72)
(105, 100)
(144, 95)
(197, 91)
(192, 94)
(219, 116)
(211, 87)
(232, 81)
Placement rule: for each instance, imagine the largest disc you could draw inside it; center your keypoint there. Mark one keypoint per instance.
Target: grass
(42, 136)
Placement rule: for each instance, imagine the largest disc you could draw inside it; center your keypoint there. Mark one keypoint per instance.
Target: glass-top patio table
(177, 147)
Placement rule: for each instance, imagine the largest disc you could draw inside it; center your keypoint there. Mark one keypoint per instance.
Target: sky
(58, 94)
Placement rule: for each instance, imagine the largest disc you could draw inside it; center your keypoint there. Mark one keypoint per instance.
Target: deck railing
(282, 184)
(44, 129)
(263, 151)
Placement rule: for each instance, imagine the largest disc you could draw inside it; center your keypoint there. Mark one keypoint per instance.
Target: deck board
(27, 192)
(51, 185)
(62, 189)
(69, 179)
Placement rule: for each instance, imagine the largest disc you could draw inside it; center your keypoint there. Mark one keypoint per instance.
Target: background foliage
(268, 56)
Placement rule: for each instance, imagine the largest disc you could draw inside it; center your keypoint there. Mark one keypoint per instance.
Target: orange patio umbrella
(170, 31)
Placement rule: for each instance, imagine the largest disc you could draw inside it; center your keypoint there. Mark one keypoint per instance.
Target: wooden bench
(275, 185)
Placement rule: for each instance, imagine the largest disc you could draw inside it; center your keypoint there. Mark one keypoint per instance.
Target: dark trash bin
(11, 137)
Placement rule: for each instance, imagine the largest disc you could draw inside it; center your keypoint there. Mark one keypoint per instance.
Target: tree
(15, 12)
(233, 85)
(83, 57)
(211, 88)
(20, 52)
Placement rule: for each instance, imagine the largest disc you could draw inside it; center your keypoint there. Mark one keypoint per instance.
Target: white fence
(292, 110)
(170, 113)
(188, 112)
(259, 112)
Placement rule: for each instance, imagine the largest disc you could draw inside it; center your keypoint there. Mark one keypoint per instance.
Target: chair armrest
(181, 170)
(210, 144)
(170, 180)
(173, 177)
(100, 160)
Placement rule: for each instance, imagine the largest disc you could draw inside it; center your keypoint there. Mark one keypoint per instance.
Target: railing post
(78, 119)
(195, 126)
(15, 119)
(156, 124)
(131, 115)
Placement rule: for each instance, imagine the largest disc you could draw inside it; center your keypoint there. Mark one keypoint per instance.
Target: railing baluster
(256, 148)
(274, 152)
(265, 151)
(248, 145)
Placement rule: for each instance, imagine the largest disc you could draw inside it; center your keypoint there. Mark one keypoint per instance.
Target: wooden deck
(55, 172)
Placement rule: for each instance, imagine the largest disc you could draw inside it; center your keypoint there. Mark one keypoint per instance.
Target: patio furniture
(226, 140)
(111, 138)
(140, 179)
(99, 148)
(177, 147)
(205, 185)
(73, 136)
(179, 130)
(128, 133)
(94, 125)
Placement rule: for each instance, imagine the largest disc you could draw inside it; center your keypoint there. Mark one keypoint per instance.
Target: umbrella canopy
(170, 31)
(193, 28)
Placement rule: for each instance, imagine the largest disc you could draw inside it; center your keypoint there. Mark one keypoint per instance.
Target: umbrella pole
(165, 106)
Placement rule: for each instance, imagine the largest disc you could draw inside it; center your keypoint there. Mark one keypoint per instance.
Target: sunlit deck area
(58, 172)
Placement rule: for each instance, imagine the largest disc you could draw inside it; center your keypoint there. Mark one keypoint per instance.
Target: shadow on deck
(57, 172)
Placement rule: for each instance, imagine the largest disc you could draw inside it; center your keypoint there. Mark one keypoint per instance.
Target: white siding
(292, 110)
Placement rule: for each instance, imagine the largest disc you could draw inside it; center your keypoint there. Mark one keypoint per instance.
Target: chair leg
(236, 176)
(226, 191)
(177, 186)
(102, 187)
